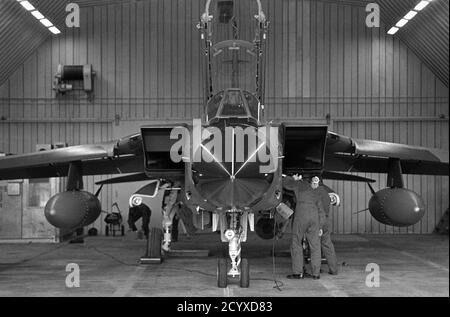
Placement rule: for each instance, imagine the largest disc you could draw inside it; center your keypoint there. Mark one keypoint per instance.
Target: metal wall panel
(324, 65)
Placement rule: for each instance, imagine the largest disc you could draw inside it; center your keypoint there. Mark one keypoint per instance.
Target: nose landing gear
(234, 235)
(223, 273)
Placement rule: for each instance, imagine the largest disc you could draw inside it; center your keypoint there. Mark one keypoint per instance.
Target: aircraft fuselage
(237, 167)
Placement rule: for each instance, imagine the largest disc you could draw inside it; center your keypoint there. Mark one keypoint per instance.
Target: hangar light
(54, 30)
(393, 30)
(409, 16)
(28, 6)
(421, 5)
(46, 22)
(401, 23)
(39, 16)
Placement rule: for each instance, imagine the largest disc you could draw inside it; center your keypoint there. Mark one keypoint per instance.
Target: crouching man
(137, 212)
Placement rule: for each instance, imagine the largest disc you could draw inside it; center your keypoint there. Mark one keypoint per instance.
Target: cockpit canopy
(234, 63)
(233, 103)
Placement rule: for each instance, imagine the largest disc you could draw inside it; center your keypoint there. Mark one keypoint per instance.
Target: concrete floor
(413, 265)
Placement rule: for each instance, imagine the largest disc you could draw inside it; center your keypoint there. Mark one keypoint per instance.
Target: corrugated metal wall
(321, 60)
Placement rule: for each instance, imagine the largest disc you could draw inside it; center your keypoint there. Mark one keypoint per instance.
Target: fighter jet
(231, 162)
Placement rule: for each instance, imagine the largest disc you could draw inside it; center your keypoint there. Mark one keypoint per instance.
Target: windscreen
(233, 105)
(233, 59)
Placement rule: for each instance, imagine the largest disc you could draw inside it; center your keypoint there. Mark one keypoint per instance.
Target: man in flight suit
(308, 219)
(325, 241)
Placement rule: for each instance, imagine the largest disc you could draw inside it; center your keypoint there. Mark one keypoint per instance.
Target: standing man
(308, 220)
(137, 212)
(325, 241)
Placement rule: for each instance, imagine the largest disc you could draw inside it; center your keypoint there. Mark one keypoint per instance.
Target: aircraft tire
(245, 274)
(222, 274)
(154, 243)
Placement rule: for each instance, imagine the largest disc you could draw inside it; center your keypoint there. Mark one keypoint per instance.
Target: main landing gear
(159, 240)
(234, 231)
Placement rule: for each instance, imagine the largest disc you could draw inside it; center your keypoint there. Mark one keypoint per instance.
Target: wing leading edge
(344, 154)
(95, 159)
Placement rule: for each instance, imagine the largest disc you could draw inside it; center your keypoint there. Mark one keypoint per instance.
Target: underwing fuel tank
(398, 207)
(72, 209)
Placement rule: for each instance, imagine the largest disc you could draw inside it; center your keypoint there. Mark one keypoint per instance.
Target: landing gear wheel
(107, 230)
(245, 274)
(222, 273)
(154, 243)
(122, 230)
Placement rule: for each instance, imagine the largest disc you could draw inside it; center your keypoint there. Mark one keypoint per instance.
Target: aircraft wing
(98, 166)
(124, 156)
(344, 154)
(96, 159)
(139, 177)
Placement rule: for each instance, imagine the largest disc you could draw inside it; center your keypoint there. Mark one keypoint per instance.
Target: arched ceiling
(427, 35)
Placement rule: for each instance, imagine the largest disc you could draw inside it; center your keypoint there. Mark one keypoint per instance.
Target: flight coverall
(308, 220)
(326, 243)
(137, 212)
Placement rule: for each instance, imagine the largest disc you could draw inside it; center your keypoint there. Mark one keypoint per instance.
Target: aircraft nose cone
(232, 191)
(239, 193)
(236, 176)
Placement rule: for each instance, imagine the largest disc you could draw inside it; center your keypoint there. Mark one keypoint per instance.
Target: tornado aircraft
(231, 162)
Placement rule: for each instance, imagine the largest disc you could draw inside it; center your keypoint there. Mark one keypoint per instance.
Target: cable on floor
(278, 284)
